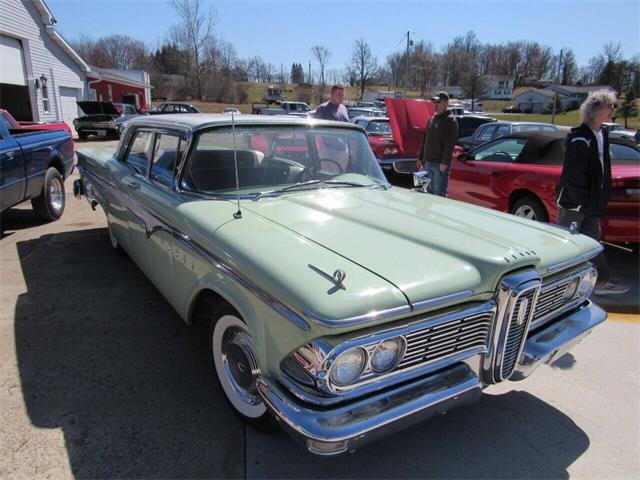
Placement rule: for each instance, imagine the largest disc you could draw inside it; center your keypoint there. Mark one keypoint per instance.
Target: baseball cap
(441, 96)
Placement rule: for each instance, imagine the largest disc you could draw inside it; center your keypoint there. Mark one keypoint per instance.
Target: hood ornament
(336, 279)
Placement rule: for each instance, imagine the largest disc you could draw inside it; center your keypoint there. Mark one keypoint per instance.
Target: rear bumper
(331, 431)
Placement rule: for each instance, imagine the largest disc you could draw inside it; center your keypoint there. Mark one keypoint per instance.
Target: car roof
(508, 122)
(371, 119)
(199, 121)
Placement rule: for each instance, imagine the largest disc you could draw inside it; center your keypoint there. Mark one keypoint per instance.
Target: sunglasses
(614, 105)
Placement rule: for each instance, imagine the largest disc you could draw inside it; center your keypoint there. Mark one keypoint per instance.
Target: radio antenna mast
(238, 214)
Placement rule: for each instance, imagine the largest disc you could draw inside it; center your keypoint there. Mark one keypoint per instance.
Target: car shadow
(512, 435)
(103, 357)
(18, 219)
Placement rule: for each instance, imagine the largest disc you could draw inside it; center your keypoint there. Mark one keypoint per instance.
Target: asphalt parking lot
(100, 378)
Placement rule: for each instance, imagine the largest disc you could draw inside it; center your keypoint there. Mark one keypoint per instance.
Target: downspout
(89, 83)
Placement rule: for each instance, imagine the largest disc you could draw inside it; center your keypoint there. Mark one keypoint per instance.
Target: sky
(283, 32)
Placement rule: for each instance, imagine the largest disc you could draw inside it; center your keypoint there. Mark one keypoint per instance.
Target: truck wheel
(49, 205)
(237, 368)
(531, 208)
(82, 136)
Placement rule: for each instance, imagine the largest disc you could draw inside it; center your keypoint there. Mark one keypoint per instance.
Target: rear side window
(140, 151)
(165, 158)
(623, 154)
(487, 133)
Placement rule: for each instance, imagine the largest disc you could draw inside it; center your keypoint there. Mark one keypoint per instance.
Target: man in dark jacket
(439, 139)
(585, 183)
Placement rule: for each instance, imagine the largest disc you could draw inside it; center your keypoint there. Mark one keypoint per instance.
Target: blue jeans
(439, 180)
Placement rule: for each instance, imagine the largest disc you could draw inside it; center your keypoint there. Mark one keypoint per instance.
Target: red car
(519, 174)
(13, 124)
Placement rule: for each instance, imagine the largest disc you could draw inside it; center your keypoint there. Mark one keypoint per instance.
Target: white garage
(68, 106)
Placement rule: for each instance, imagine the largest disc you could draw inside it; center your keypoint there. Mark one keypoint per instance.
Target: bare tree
(363, 66)
(193, 34)
(474, 85)
(612, 52)
(322, 54)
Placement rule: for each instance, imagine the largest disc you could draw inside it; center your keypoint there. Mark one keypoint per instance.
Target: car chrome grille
(446, 339)
(550, 300)
(517, 329)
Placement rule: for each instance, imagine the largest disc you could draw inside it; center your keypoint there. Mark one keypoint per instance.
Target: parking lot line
(624, 317)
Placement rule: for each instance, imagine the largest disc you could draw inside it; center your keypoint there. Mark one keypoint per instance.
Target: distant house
(539, 101)
(42, 76)
(499, 87)
(122, 86)
(577, 95)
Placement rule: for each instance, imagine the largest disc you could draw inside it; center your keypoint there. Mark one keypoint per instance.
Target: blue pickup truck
(33, 166)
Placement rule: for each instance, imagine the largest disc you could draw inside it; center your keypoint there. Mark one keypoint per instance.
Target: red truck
(13, 124)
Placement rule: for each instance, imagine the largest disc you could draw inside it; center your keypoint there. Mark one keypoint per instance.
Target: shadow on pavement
(18, 219)
(103, 357)
(514, 435)
(624, 268)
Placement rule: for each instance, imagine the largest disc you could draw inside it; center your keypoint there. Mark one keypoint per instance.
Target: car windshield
(379, 127)
(279, 159)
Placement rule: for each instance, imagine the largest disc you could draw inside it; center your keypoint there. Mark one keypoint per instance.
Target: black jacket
(439, 138)
(583, 184)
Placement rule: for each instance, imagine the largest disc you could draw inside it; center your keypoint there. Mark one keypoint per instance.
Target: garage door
(14, 92)
(68, 98)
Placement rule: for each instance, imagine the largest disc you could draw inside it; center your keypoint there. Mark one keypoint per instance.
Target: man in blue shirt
(333, 109)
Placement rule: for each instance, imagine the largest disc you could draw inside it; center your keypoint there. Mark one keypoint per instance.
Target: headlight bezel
(402, 346)
(335, 364)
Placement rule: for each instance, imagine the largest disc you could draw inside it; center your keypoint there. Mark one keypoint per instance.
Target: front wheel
(531, 208)
(237, 368)
(49, 205)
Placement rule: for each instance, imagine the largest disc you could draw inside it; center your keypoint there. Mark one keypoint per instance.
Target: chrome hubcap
(56, 197)
(526, 211)
(240, 364)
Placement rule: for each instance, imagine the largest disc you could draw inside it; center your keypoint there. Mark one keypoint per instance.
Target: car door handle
(132, 184)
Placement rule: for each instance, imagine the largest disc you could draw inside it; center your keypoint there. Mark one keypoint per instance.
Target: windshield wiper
(303, 185)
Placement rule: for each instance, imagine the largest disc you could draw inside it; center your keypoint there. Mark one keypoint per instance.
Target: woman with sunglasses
(585, 183)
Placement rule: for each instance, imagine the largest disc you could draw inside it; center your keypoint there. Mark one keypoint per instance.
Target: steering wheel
(332, 161)
(501, 153)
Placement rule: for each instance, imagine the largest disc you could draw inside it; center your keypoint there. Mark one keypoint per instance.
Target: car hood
(98, 108)
(408, 119)
(426, 246)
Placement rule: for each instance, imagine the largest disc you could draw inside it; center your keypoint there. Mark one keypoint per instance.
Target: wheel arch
(56, 162)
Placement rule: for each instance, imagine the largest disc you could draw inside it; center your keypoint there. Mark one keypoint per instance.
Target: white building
(499, 87)
(539, 101)
(41, 75)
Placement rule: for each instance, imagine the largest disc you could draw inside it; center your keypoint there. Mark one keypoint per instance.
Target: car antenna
(238, 214)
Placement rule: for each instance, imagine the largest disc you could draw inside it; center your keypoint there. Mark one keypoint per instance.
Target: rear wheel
(237, 367)
(531, 208)
(49, 205)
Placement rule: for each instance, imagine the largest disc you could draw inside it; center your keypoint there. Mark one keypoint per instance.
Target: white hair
(594, 103)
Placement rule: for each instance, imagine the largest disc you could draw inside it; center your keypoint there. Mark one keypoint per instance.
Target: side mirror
(464, 156)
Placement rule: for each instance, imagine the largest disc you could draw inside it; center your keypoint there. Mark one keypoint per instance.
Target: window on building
(45, 94)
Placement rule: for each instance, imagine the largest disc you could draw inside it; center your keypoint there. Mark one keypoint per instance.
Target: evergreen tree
(629, 108)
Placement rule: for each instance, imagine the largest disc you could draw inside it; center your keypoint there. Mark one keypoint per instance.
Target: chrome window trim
(585, 257)
(317, 357)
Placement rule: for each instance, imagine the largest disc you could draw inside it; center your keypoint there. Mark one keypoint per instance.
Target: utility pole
(310, 81)
(406, 81)
(559, 68)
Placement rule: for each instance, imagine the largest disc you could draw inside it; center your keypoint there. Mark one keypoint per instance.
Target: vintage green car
(342, 307)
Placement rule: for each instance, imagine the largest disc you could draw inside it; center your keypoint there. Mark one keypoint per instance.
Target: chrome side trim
(365, 318)
(153, 224)
(444, 299)
(575, 261)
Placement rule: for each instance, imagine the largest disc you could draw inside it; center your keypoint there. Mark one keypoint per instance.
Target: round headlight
(346, 369)
(570, 290)
(386, 354)
(587, 282)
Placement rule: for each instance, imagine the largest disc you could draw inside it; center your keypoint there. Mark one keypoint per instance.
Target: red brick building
(120, 86)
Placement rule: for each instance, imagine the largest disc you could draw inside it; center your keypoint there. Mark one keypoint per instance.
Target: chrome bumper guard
(553, 341)
(345, 428)
(348, 427)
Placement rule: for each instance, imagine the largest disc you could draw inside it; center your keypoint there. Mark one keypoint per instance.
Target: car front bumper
(335, 430)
